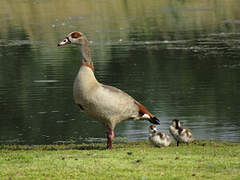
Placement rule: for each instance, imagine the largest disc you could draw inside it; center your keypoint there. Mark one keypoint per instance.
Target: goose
(158, 139)
(180, 134)
(101, 102)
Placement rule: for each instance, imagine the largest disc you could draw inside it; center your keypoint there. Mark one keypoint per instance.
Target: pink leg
(110, 137)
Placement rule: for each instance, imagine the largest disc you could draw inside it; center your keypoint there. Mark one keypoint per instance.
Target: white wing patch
(146, 116)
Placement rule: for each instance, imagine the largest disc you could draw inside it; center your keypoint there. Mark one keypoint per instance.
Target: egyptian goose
(104, 103)
(158, 139)
(181, 134)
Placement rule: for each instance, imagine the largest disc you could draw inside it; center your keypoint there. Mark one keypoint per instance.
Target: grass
(202, 160)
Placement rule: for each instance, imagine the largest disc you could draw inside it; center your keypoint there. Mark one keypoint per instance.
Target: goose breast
(105, 103)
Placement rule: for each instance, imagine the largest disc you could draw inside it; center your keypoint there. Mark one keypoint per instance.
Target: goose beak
(64, 42)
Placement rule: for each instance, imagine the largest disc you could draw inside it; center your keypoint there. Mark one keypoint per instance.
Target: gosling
(158, 139)
(180, 134)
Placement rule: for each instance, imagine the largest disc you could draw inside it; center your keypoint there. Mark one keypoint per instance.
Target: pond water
(178, 58)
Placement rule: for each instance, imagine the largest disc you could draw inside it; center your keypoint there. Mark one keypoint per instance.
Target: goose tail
(154, 120)
(145, 114)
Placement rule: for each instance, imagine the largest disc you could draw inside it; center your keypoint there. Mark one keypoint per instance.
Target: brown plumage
(157, 138)
(180, 134)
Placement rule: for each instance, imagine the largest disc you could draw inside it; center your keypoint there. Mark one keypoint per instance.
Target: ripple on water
(45, 81)
(17, 42)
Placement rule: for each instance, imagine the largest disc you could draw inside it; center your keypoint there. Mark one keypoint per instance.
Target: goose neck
(86, 52)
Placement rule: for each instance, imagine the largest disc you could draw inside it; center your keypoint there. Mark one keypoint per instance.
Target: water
(178, 58)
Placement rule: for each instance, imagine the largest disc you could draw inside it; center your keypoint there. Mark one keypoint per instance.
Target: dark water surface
(181, 59)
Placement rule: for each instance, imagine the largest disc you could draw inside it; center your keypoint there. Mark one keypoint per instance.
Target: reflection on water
(180, 59)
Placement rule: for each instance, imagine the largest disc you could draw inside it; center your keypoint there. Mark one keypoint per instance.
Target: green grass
(202, 160)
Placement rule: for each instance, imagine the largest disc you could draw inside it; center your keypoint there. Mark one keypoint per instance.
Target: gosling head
(176, 123)
(73, 38)
(152, 129)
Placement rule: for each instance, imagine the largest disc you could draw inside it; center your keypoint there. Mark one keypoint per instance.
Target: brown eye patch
(152, 127)
(160, 134)
(76, 35)
(176, 120)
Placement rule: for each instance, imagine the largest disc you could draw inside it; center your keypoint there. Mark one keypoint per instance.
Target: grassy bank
(203, 160)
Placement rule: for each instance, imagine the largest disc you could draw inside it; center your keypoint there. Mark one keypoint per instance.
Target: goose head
(76, 38)
(152, 129)
(176, 123)
(79, 39)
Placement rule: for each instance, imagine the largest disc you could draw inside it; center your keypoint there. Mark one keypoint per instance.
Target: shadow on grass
(102, 146)
(53, 147)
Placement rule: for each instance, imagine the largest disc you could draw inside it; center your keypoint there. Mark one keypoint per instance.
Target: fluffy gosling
(158, 139)
(180, 134)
